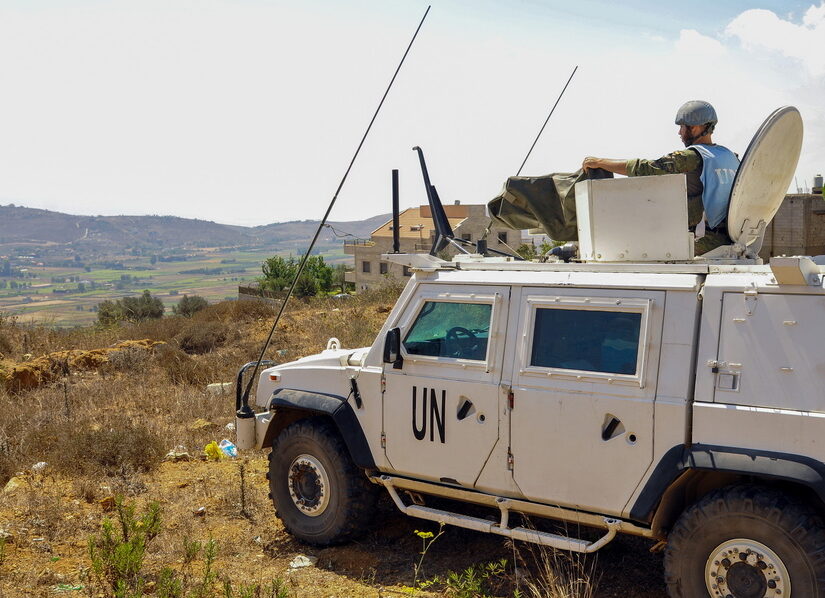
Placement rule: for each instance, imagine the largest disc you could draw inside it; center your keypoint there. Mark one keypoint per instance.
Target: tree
(306, 286)
(278, 274)
(339, 277)
(130, 309)
(319, 271)
(527, 251)
(189, 305)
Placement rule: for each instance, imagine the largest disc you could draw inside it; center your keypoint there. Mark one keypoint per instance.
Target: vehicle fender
(289, 403)
(702, 457)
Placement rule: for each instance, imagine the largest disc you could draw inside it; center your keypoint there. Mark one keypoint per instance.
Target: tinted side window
(458, 330)
(589, 340)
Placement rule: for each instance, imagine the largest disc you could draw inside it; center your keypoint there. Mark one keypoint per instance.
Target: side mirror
(392, 348)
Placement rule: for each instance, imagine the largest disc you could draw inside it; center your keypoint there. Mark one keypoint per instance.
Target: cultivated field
(101, 408)
(51, 301)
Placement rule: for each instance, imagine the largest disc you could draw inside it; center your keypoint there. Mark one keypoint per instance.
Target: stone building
(798, 227)
(416, 232)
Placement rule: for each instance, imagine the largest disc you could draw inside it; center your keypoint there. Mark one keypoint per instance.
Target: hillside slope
(21, 225)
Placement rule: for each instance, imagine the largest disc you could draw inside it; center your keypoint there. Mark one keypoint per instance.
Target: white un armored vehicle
(635, 390)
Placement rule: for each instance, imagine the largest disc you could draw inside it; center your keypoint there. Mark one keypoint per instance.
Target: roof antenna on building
(243, 411)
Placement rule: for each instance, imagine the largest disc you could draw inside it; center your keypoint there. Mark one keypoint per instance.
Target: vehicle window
(458, 330)
(589, 340)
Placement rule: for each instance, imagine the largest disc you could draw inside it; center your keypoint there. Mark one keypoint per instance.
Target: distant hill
(113, 234)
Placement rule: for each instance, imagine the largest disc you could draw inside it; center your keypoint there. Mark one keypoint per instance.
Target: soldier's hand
(591, 162)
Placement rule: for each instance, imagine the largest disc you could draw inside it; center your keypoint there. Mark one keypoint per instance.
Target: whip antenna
(547, 120)
(242, 402)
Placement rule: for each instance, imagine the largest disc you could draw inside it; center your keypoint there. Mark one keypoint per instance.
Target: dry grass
(104, 425)
(102, 410)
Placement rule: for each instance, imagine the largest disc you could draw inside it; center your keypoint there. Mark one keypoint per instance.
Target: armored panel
(769, 351)
(634, 219)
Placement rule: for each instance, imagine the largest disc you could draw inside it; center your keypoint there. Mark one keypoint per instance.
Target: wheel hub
(308, 485)
(743, 568)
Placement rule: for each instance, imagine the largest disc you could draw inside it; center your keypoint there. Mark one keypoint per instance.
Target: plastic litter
(39, 466)
(228, 448)
(230, 427)
(213, 452)
(302, 560)
(178, 453)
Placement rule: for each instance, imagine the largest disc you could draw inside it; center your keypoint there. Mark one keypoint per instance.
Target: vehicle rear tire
(319, 494)
(746, 542)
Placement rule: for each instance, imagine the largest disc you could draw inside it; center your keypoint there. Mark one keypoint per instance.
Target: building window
(502, 237)
(588, 340)
(365, 267)
(467, 236)
(406, 271)
(383, 267)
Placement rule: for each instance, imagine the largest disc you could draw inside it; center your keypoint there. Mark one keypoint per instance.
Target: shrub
(120, 448)
(179, 366)
(204, 337)
(189, 305)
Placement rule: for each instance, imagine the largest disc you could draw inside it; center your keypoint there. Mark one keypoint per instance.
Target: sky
(248, 112)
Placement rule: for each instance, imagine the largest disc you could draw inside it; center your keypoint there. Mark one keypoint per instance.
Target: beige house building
(416, 232)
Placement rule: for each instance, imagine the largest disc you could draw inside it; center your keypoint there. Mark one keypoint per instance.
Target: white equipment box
(634, 219)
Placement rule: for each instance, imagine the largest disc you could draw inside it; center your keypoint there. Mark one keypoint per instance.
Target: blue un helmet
(696, 112)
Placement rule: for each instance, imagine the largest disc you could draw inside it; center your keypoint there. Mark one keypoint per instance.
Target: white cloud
(814, 16)
(760, 29)
(693, 43)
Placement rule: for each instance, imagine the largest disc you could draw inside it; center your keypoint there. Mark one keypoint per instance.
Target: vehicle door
(441, 408)
(584, 383)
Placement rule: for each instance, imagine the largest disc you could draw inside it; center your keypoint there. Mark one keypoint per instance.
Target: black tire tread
(783, 510)
(360, 495)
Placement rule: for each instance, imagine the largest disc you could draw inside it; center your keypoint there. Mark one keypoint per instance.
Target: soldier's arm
(677, 162)
(615, 166)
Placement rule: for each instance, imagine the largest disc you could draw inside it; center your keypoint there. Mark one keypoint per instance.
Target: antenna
(443, 231)
(243, 411)
(546, 120)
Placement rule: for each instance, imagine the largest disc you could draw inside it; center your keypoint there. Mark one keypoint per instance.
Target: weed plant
(117, 557)
(117, 554)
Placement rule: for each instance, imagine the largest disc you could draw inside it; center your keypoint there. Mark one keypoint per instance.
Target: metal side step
(501, 528)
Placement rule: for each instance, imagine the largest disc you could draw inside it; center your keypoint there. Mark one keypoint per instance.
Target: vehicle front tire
(321, 497)
(746, 542)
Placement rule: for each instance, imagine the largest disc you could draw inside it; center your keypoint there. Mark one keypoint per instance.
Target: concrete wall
(798, 227)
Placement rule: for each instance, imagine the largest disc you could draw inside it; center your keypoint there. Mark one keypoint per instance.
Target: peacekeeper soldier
(709, 169)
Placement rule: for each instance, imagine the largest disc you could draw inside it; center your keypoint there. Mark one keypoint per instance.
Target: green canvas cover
(545, 202)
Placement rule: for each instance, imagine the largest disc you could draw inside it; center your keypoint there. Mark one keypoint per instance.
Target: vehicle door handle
(607, 431)
(464, 409)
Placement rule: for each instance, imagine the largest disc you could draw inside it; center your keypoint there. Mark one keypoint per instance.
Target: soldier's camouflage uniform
(548, 202)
